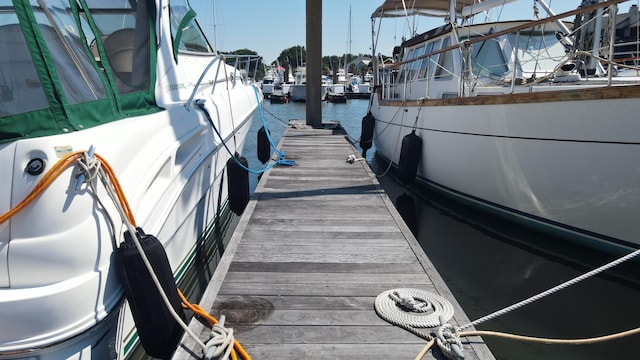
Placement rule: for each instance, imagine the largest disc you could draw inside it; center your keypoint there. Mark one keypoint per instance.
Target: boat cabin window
(67, 65)
(124, 30)
(403, 75)
(20, 86)
(427, 63)
(187, 34)
(487, 58)
(415, 65)
(444, 71)
(538, 53)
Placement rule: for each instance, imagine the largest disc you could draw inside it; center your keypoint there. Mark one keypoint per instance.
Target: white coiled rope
(413, 307)
(414, 310)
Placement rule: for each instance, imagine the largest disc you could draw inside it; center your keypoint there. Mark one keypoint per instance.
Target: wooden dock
(316, 245)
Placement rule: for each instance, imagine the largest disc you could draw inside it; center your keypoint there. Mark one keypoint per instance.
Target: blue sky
(268, 27)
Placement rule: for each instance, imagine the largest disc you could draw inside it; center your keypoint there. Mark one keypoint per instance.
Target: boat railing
(240, 64)
(394, 79)
(627, 52)
(247, 65)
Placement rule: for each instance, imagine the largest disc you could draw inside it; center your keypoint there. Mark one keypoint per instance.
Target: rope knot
(448, 340)
(408, 302)
(89, 168)
(221, 343)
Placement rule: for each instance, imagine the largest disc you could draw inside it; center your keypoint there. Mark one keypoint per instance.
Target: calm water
(489, 264)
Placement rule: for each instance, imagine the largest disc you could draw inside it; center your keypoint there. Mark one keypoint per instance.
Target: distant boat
(278, 98)
(358, 89)
(524, 118)
(268, 82)
(272, 80)
(336, 94)
(107, 83)
(298, 90)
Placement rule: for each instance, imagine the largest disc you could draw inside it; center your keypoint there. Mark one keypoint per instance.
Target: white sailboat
(138, 82)
(526, 118)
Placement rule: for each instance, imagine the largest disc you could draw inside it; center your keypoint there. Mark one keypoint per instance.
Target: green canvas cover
(67, 66)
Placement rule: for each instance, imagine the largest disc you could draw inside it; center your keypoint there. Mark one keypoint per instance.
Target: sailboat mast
(215, 34)
(346, 71)
(452, 11)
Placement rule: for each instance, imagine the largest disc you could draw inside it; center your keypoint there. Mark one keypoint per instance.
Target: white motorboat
(298, 90)
(525, 118)
(138, 82)
(271, 81)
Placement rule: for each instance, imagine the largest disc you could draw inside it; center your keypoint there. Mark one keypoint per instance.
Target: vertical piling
(314, 63)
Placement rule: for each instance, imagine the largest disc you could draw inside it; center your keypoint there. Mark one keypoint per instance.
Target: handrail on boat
(236, 66)
(197, 84)
(386, 73)
(510, 30)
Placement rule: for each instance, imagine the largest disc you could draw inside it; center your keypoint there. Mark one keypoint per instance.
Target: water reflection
(406, 206)
(490, 264)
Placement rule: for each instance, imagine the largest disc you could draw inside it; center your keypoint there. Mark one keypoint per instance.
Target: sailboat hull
(568, 166)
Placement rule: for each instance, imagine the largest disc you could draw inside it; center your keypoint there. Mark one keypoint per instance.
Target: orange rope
(118, 189)
(53, 174)
(198, 310)
(46, 180)
(57, 169)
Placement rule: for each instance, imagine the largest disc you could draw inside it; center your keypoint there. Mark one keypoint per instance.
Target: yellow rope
(553, 341)
(46, 180)
(425, 349)
(582, 341)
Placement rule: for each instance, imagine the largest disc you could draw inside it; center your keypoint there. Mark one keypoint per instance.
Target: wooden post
(314, 63)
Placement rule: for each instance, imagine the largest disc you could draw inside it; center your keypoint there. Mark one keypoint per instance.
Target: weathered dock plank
(314, 248)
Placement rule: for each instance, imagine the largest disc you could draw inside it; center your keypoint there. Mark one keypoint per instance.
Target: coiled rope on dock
(457, 333)
(415, 310)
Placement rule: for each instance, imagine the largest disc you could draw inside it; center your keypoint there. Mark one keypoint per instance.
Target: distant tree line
(295, 56)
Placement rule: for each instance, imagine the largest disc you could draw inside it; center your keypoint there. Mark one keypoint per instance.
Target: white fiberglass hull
(568, 165)
(56, 262)
(298, 92)
(163, 112)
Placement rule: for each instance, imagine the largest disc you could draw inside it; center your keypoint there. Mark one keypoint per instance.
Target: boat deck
(316, 245)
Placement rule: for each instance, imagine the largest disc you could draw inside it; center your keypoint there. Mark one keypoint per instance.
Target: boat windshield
(186, 31)
(538, 53)
(487, 58)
